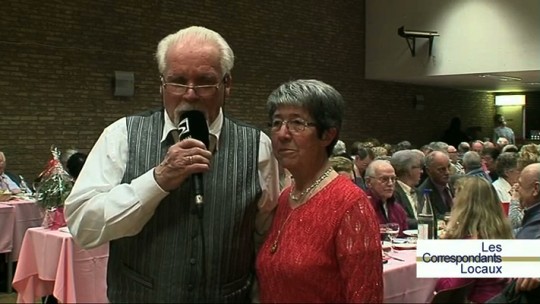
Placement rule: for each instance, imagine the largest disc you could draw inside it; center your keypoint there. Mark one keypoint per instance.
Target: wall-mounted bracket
(411, 35)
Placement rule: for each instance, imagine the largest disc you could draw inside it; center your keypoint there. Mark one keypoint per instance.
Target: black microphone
(193, 125)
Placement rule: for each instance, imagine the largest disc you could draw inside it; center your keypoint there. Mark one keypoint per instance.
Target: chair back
(454, 295)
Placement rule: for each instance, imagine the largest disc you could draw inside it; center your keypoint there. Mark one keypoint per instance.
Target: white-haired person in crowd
(507, 169)
(472, 163)
(135, 193)
(510, 148)
(8, 181)
(457, 167)
(381, 181)
(477, 146)
(409, 166)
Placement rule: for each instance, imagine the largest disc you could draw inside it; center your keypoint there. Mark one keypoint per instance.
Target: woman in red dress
(324, 244)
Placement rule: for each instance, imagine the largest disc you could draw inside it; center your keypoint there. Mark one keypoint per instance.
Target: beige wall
(476, 36)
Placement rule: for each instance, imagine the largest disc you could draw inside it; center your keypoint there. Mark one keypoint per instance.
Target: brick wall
(58, 59)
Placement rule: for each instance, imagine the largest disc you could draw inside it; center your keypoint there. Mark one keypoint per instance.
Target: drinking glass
(392, 229)
(383, 229)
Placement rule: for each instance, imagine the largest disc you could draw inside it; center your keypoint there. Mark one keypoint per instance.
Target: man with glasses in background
(135, 192)
(381, 183)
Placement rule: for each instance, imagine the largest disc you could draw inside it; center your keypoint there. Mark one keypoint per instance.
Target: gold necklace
(274, 246)
(326, 173)
(319, 180)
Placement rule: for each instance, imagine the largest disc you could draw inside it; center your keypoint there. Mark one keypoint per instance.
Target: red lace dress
(328, 250)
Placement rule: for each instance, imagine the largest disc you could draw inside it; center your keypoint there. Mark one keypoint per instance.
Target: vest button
(190, 287)
(192, 261)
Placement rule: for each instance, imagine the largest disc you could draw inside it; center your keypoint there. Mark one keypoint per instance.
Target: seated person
(472, 163)
(381, 182)
(408, 165)
(8, 181)
(477, 204)
(343, 165)
(529, 194)
(75, 164)
(437, 166)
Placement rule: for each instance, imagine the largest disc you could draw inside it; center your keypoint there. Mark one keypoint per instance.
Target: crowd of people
(470, 184)
(288, 215)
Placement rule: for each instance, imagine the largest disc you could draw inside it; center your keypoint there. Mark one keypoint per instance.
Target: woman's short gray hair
(506, 161)
(324, 104)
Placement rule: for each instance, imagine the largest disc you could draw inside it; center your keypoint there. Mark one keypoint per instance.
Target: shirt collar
(214, 129)
(528, 209)
(439, 187)
(405, 187)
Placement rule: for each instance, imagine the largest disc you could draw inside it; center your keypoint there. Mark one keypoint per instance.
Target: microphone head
(193, 124)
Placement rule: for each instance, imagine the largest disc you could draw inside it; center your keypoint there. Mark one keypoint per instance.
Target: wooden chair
(453, 295)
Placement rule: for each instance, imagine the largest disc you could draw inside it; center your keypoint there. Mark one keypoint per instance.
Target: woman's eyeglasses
(295, 125)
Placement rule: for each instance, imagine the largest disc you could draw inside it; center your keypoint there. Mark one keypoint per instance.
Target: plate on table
(413, 232)
(404, 246)
(386, 246)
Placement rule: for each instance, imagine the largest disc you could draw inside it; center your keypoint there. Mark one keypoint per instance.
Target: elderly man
(472, 163)
(8, 181)
(463, 147)
(457, 167)
(408, 165)
(135, 191)
(529, 194)
(438, 170)
(380, 181)
(477, 146)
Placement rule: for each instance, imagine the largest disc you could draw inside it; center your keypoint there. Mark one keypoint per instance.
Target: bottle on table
(426, 219)
(24, 186)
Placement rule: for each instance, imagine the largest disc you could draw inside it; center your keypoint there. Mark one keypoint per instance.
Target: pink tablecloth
(7, 222)
(400, 282)
(27, 215)
(51, 263)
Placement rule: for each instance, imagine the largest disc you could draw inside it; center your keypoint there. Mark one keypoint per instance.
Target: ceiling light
(510, 100)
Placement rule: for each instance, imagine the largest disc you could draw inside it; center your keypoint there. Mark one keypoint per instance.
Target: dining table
(27, 214)
(51, 263)
(400, 282)
(7, 222)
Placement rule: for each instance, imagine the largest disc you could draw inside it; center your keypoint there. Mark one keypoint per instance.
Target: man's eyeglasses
(179, 89)
(386, 179)
(295, 125)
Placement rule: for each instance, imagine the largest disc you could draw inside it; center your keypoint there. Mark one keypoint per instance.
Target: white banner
(478, 259)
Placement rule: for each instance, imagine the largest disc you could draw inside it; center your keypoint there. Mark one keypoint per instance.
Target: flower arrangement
(54, 187)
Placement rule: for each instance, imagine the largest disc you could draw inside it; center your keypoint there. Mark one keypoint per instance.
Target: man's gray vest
(162, 263)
